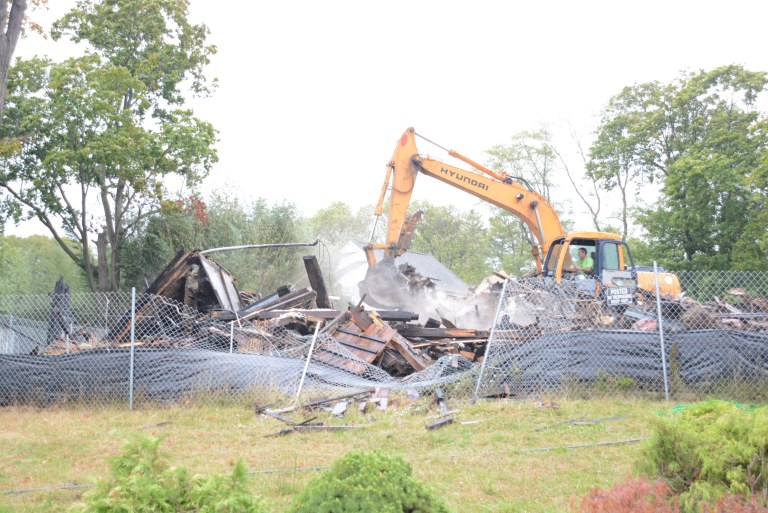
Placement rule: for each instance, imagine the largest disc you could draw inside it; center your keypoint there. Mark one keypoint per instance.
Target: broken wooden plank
(329, 357)
(419, 332)
(300, 297)
(360, 318)
(293, 429)
(341, 318)
(320, 402)
(440, 423)
(318, 314)
(450, 342)
(403, 346)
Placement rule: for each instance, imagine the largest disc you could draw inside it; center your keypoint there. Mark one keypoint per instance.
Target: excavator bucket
(384, 286)
(388, 286)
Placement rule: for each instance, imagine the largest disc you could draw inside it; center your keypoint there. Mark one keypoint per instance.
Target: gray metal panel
(223, 287)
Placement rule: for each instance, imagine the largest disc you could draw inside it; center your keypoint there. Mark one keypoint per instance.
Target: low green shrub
(141, 481)
(367, 482)
(709, 450)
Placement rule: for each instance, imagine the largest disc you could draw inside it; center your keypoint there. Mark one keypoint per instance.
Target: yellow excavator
(613, 276)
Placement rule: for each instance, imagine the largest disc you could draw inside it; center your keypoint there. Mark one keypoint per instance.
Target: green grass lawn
(488, 460)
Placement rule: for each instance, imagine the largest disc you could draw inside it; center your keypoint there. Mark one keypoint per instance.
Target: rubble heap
(397, 341)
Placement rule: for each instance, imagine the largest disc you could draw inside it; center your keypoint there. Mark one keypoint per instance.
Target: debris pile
(400, 342)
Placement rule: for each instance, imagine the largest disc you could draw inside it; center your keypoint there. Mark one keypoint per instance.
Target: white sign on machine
(619, 296)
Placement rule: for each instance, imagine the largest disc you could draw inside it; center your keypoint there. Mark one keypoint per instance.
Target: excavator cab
(612, 275)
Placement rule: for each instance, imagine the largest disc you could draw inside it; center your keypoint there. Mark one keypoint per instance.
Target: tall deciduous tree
(529, 157)
(337, 225)
(532, 159)
(459, 240)
(220, 220)
(509, 244)
(703, 140)
(32, 265)
(101, 134)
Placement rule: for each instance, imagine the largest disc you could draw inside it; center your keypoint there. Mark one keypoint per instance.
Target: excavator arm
(491, 186)
(612, 266)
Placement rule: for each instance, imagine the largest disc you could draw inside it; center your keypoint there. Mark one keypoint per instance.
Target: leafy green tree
(459, 240)
(530, 157)
(509, 244)
(264, 270)
(12, 15)
(101, 134)
(702, 139)
(160, 236)
(32, 265)
(221, 221)
(337, 225)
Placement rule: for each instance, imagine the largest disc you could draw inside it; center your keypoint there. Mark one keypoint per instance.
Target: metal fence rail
(85, 348)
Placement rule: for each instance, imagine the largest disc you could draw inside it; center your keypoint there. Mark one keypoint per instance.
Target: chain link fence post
(661, 331)
(306, 364)
(496, 320)
(133, 343)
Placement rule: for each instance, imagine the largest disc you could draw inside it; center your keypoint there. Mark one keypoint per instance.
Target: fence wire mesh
(712, 342)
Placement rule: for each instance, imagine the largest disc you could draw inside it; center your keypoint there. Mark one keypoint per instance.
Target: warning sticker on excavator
(619, 296)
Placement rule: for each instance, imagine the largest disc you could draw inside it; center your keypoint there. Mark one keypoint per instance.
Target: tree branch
(594, 213)
(43, 218)
(70, 210)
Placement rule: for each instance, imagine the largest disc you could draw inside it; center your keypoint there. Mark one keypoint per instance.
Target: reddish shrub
(643, 496)
(735, 504)
(634, 496)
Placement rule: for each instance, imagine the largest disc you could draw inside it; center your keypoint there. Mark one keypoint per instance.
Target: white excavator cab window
(615, 257)
(554, 256)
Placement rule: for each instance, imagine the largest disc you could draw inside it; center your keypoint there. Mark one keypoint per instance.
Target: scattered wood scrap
(445, 417)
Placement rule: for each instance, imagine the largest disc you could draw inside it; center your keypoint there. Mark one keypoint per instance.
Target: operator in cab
(584, 264)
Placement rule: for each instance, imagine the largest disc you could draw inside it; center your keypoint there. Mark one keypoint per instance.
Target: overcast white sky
(314, 94)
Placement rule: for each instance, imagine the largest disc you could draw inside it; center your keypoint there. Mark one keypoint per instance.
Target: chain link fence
(712, 341)
(545, 340)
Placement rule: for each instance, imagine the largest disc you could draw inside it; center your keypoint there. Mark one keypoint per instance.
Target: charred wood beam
(361, 335)
(419, 332)
(316, 281)
(403, 346)
(450, 342)
(361, 318)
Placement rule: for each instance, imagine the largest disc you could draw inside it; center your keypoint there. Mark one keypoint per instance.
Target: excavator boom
(494, 187)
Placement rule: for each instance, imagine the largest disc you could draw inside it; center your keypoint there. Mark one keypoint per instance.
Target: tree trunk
(9, 36)
(103, 269)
